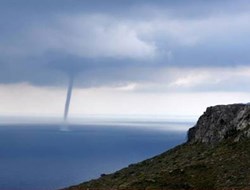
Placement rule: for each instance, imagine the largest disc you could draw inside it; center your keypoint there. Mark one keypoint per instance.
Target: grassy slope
(197, 166)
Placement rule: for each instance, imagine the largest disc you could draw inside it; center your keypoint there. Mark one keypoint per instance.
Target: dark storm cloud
(192, 8)
(116, 41)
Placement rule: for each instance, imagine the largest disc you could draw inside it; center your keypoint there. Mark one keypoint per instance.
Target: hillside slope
(216, 156)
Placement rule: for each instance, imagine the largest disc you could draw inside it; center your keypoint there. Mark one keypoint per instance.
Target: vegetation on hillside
(188, 166)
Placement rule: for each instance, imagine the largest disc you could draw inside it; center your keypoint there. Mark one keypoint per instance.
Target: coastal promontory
(215, 156)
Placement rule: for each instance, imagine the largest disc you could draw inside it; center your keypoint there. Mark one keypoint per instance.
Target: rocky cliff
(222, 122)
(216, 156)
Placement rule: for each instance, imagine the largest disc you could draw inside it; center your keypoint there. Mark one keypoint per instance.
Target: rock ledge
(222, 122)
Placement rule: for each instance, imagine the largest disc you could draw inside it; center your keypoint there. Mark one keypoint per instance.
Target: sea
(43, 156)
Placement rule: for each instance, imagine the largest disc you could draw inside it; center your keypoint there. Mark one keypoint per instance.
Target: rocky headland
(215, 156)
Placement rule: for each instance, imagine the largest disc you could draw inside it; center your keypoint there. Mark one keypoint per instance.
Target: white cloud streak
(27, 100)
(220, 79)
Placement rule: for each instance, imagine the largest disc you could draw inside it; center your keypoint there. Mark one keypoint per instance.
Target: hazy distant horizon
(136, 121)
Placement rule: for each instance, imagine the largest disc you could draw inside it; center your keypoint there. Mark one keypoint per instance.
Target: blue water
(43, 157)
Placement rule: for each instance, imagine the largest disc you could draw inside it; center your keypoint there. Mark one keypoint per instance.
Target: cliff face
(221, 122)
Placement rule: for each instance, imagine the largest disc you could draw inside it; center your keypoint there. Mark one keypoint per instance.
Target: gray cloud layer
(118, 42)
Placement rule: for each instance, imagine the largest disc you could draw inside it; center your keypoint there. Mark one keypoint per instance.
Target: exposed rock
(222, 122)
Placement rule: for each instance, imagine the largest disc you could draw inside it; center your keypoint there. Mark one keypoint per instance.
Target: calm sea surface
(44, 157)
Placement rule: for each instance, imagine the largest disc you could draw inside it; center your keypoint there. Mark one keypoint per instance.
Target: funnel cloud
(68, 98)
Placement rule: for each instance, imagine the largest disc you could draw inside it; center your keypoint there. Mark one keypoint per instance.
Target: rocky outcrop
(222, 122)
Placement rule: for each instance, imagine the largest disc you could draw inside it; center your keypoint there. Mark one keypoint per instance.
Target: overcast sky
(136, 57)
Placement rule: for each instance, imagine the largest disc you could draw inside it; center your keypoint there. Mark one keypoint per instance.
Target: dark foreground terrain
(216, 156)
